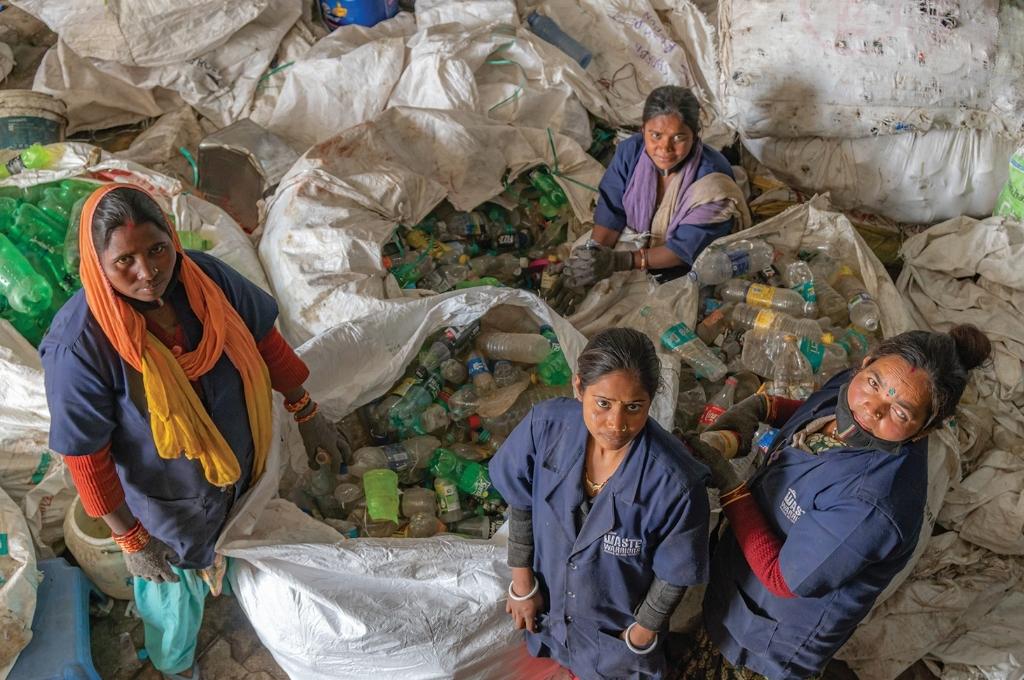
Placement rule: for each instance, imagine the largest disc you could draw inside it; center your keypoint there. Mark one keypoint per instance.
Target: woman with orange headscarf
(158, 378)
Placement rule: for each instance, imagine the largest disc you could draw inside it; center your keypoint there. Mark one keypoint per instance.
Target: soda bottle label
(447, 495)
(677, 336)
(476, 365)
(403, 387)
(710, 414)
(814, 351)
(858, 299)
(433, 385)
(398, 457)
(806, 290)
(763, 320)
(739, 260)
(766, 440)
(760, 295)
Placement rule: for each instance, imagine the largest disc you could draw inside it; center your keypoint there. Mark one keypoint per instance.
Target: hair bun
(972, 346)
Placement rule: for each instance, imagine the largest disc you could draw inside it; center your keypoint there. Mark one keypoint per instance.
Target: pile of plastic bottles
(420, 452)
(510, 241)
(775, 321)
(38, 252)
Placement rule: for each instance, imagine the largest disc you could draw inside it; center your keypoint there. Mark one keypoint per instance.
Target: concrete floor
(228, 647)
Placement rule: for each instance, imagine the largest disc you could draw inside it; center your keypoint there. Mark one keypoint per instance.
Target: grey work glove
(743, 419)
(320, 433)
(723, 476)
(563, 296)
(152, 562)
(591, 263)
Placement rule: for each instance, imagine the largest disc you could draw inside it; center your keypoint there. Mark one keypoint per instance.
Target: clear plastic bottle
(424, 525)
(465, 224)
(717, 405)
(682, 341)
(718, 265)
(454, 372)
(506, 373)
(411, 269)
(856, 343)
(503, 424)
(792, 376)
(690, 402)
(445, 278)
(780, 299)
(349, 495)
(405, 412)
(418, 499)
(747, 317)
(321, 487)
(761, 349)
(523, 348)
(463, 403)
(480, 374)
(797, 274)
(405, 457)
(834, 361)
(830, 302)
(505, 267)
(864, 311)
(480, 526)
(433, 418)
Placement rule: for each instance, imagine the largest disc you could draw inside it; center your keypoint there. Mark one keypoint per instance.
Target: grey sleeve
(520, 538)
(656, 609)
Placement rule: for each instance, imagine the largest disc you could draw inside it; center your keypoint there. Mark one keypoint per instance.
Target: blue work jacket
(650, 519)
(849, 520)
(685, 240)
(96, 398)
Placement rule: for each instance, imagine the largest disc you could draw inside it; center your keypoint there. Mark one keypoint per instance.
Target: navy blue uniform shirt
(685, 240)
(849, 521)
(650, 519)
(96, 398)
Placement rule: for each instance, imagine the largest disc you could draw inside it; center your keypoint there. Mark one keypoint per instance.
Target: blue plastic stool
(59, 649)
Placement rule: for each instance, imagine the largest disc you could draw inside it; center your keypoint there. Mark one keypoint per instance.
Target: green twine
(558, 173)
(191, 161)
(277, 69)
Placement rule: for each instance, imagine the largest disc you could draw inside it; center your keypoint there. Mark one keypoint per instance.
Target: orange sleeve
(96, 479)
(287, 370)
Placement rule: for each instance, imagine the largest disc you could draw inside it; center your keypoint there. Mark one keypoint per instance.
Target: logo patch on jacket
(621, 547)
(789, 506)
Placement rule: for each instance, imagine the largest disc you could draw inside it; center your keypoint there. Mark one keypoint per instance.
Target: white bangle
(523, 598)
(629, 645)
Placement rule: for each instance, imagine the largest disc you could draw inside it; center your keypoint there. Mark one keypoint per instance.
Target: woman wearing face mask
(819, 531)
(665, 183)
(158, 377)
(608, 517)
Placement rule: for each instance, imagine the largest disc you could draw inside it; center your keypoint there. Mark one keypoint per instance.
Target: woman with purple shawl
(665, 183)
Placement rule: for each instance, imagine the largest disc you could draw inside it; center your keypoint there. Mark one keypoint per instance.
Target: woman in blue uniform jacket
(665, 183)
(608, 517)
(833, 516)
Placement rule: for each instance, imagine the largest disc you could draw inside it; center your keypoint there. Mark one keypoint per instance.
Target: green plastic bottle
(71, 254)
(554, 369)
(381, 489)
(446, 463)
(35, 157)
(32, 225)
(8, 206)
(29, 327)
(475, 480)
(190, 240)
(475, 283)
(25, 289)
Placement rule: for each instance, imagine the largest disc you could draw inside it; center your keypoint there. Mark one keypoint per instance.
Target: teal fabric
(172, 614)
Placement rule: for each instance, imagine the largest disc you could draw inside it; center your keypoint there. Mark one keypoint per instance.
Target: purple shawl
(642, 193)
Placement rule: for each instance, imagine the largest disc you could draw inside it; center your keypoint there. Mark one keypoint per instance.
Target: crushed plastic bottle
(758, 295)
(792, 376)
(523, 348)
(553, 369)
(717, 405)
(715, 266)
(747, 317)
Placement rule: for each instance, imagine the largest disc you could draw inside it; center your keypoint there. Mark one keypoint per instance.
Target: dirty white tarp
(908, 111)
(328, 607)
(219, 83)
(339, 204)
(20, 581)
(33, 476)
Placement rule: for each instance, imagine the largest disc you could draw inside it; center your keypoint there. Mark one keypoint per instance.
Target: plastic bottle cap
(730, 380)
(474, 422)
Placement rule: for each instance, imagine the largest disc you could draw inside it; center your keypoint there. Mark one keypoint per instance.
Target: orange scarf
(178, 418)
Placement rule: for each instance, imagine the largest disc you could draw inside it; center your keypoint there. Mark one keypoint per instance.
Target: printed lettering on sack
(44, 465)
(789, 506)
(621, 547)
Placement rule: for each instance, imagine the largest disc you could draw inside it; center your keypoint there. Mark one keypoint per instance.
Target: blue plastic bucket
(28, 117)
(337, 13)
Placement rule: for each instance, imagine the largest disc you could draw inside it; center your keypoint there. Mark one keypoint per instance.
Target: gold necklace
(593, 488)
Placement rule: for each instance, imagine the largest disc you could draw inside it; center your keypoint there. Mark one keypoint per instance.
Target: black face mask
(853, 434)
(142, 305)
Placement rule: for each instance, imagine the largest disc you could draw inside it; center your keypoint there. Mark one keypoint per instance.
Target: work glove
(564, 296)
(743, 419)
(152, 562)
(319, 433)
(591, 263)
(723, 476)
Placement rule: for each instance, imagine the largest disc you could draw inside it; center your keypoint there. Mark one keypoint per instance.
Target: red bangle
(297, 406)
(134, 540)
(643, 259)
(731, 495)
(309, 416)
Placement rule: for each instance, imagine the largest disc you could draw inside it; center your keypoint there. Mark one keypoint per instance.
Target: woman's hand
(592, 262)
(723, 476)
(320, 433)
(743, 419)
(524, 613)
(639, 637)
